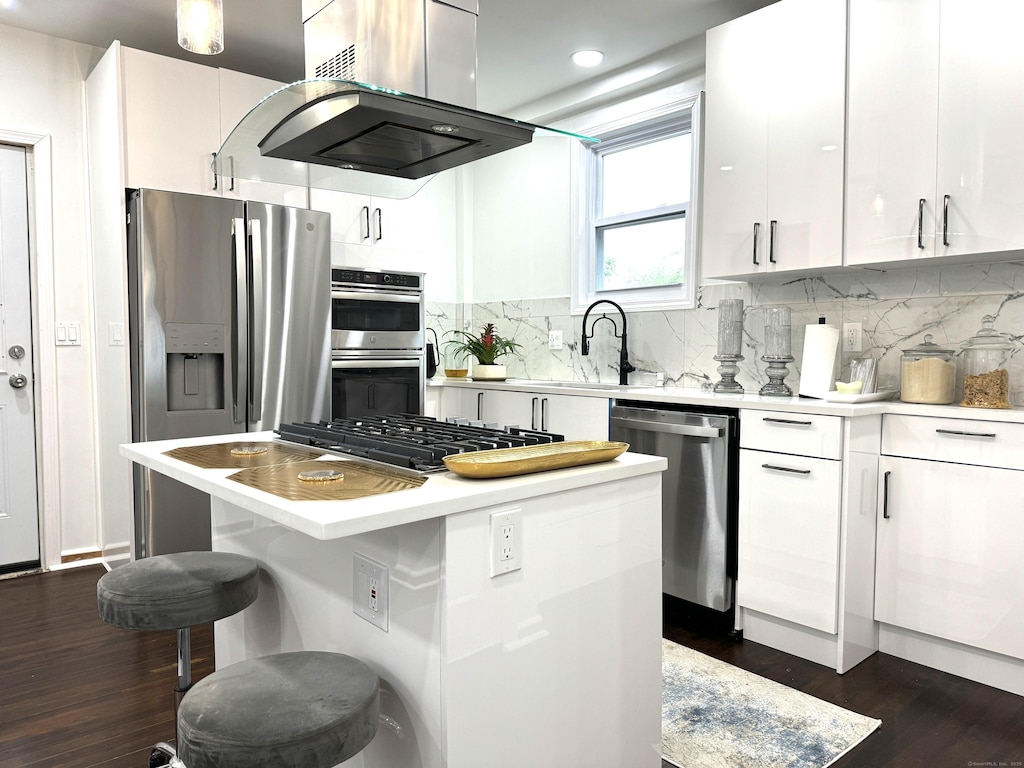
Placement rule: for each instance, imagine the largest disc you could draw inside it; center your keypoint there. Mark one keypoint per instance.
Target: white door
(19, 514)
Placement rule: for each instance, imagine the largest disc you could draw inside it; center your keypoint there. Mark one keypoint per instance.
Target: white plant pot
(483, 372)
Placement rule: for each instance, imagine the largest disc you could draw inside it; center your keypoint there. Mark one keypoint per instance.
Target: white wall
(41, 93)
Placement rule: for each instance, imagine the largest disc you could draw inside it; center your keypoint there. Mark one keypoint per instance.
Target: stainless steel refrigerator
(229, 326)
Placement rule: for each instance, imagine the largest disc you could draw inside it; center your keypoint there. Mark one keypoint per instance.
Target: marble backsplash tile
(896, 309)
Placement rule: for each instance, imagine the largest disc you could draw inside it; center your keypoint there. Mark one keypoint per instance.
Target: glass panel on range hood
(289, 119)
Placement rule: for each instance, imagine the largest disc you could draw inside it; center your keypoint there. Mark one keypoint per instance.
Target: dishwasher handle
(674, 429)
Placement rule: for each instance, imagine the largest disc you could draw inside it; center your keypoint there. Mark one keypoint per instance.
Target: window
(639, 228)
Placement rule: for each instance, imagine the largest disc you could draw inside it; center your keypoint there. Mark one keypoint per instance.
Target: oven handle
(406, 298)
(371, 362)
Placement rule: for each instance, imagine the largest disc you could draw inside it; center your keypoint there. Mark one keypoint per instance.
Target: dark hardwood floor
(929, 719)
(76, 693)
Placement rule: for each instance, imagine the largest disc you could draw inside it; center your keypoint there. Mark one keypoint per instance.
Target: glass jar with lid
(986, 381)
(927, 374)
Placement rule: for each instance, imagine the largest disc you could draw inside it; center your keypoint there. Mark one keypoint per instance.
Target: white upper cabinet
(934, 152)
(171, 121)
(239, 93)
(773, 140)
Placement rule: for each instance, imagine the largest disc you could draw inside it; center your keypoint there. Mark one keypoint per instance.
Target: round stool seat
(309, 709)
(177, 590)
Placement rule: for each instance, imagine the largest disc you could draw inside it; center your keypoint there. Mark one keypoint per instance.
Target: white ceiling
(523, 45)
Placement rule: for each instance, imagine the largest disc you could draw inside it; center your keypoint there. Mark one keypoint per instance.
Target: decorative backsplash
(896, 309)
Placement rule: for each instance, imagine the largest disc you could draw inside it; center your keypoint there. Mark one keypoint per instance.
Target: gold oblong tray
(507, 462)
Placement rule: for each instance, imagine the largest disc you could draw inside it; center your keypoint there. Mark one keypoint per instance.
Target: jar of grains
(986, 368)
(927, 374)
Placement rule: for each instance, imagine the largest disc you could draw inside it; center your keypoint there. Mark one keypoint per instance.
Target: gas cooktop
(419, 443)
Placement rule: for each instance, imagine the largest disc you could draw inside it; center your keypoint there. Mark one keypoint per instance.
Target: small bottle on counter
(986, 368)
(927, 374)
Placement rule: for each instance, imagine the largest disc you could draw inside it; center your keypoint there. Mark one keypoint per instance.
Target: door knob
(18, 380)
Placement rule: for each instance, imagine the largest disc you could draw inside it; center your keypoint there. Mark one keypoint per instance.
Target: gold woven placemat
(219, 456)
(359, 480)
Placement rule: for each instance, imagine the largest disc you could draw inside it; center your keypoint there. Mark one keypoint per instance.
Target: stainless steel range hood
(340, 132)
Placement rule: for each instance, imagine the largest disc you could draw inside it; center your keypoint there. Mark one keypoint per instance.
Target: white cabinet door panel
(891, 140)
(789, 537)
(171, 122)
(981, 112)
(950, 552)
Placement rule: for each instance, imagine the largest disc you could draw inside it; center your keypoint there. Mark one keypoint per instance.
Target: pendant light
(201, 26)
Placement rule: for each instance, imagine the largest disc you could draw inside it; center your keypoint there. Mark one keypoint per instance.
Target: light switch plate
(371, 592)
(554, 339)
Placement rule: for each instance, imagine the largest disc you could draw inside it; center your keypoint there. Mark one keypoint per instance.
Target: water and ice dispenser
(195, 366)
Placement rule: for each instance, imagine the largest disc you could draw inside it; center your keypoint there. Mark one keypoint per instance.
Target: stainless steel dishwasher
(699, 494)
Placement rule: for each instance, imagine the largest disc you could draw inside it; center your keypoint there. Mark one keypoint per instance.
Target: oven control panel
(406, 280)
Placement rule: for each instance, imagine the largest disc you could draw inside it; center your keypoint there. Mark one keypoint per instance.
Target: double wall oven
(378, 365)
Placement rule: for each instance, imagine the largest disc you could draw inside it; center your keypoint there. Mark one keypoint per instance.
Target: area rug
(715, 715)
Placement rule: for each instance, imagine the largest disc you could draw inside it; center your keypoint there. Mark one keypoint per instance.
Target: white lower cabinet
(789, 537)
(805, 575)
(951, 535)
(574, 417)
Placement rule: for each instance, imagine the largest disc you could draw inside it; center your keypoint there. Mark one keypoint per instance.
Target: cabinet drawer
(796, 433)
(962, 441)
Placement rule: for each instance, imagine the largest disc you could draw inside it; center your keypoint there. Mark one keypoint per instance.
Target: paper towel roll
(821, 342)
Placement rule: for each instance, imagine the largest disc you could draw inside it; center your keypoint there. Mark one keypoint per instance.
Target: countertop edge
(441, 495)
(693, 396)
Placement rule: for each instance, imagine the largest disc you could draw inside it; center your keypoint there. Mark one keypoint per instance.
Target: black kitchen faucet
(624, 365)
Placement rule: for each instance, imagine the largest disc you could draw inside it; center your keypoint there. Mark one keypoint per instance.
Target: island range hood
(389, 100)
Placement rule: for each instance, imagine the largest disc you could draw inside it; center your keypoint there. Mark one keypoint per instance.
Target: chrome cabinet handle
(366, 223)
(544, 415)
(945, 219)
(793, 470)
(885, 495)
(787, 421)
(380, 225)
(920, 223)
(231, 166)
(479, 406)
(533, 413)
(965, 434)
(213, 167)
(771, 240)
(757, 229)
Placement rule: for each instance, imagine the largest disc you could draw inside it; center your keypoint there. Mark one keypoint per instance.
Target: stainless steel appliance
(378, 362)
(229, 327)
(699, 495)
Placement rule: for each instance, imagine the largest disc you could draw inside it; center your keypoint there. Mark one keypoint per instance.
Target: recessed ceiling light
(587, 58)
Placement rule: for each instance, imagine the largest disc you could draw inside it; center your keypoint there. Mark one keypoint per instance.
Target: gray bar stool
(307, 709)
(177, 591)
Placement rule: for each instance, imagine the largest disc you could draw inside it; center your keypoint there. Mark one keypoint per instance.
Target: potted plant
(486, 348)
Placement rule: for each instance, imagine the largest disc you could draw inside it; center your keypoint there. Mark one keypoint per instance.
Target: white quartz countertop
(442, 494)
(700, 397)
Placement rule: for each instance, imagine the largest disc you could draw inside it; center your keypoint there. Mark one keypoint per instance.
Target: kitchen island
(557, 663)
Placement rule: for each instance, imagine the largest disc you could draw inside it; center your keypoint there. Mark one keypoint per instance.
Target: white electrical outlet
(370, 590)
(506, 541)
(554, 339)
(853, 337)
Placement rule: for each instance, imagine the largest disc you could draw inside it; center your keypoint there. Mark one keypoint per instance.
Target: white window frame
(662, 123)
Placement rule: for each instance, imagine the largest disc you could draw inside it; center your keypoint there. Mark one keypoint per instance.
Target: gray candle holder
(728, 369)
(777, 371)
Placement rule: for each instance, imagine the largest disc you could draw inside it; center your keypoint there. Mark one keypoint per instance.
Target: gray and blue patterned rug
(715, 715)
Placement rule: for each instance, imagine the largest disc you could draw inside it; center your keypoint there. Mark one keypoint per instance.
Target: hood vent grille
(341, 67)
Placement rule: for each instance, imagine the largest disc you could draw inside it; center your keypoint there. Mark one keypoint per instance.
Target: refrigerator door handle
(241, 334)
(257, 318)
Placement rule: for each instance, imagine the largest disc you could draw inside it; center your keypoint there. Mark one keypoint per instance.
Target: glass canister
(986, 367)
(927, 374)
